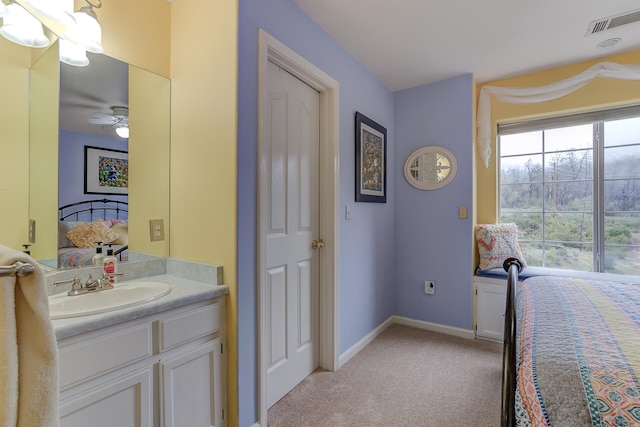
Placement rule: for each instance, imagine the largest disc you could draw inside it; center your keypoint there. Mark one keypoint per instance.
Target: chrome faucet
(92, 285)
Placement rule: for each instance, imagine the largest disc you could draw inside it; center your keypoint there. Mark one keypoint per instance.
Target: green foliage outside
(553, 208)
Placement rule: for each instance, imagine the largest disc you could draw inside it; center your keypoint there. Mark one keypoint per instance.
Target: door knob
(317, 244)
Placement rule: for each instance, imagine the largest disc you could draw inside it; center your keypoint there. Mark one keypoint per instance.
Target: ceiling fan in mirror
(119, 120)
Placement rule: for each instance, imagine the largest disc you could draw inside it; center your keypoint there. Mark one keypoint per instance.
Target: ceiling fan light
(122, 131)
(22, 28)
(72, 54)
(87, 31)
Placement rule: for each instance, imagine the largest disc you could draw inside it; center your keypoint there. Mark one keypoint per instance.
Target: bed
(84, 224)
(571, 351)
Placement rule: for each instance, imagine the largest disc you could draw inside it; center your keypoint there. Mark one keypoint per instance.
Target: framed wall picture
(371, 160)
(105, 171)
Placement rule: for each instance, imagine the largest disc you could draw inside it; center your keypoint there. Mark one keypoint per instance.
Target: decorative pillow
(122, 230)
(85, 235)
(63, 228)
(496, 243)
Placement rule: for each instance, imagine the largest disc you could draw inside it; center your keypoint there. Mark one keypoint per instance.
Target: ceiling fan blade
(101, 119)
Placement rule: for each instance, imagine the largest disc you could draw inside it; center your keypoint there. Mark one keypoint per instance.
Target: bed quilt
(578, 353)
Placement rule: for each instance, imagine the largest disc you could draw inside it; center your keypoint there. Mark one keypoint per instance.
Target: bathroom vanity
(160, 363)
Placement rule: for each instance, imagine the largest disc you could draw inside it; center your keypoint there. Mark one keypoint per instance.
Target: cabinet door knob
(317, 244)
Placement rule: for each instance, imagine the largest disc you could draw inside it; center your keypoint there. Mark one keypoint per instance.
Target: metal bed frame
(507, 417)
(93, 207)
(96, 209)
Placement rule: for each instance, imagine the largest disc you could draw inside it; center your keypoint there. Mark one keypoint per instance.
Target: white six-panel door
(290, 274)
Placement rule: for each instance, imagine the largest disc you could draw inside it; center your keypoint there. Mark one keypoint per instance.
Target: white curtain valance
(531, 95)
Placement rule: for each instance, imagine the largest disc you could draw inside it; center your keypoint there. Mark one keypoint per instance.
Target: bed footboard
(507, 417)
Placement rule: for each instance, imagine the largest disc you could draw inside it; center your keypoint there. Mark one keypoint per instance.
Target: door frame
(270, 49)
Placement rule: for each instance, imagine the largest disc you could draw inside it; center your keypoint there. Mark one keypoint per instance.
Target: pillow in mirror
(122, 230)
(85, 235)
(63, 228)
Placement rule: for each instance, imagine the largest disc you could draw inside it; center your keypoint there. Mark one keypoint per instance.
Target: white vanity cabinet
(490, 301)
(166, 369)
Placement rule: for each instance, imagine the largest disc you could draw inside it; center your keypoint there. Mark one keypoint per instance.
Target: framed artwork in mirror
(430, 168)
(371, 160)
(105, 171)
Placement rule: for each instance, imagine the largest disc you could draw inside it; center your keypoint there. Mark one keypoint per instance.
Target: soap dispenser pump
(98, 258)
(110, 265)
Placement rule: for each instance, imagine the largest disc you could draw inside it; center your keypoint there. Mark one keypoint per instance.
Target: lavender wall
(71, 164)
(367, 245)
(431, 242)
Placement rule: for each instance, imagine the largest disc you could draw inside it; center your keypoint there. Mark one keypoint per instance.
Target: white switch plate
(347, 212)
(463, 212)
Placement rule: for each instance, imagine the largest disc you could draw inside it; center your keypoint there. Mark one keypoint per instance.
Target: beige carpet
(405, 377)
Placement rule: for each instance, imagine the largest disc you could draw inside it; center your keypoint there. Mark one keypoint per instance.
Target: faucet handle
(77, 283)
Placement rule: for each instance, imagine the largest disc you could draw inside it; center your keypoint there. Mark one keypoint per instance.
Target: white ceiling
(408, 43)
(98, 87)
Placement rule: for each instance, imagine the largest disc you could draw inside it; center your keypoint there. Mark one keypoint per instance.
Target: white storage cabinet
(490, 300)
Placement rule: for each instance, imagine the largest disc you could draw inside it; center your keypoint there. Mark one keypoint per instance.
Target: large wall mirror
(78, 160)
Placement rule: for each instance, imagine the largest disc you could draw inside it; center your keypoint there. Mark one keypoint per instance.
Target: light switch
(347, 212)
(462, 212)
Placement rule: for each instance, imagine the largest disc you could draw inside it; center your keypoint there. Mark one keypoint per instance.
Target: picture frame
(371, 160)
(106, 171)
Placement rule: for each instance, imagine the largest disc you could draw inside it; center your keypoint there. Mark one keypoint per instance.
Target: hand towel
(28, 349)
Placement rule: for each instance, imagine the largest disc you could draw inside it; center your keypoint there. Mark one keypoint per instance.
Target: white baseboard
(354, 349)
(436, 327)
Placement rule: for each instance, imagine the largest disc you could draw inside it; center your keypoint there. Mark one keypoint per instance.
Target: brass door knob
(317, 244)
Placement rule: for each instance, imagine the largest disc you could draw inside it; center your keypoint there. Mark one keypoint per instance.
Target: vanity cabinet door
(192, 387)
(123, 402)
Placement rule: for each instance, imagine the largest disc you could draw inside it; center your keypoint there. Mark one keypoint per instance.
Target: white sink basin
(122, 295)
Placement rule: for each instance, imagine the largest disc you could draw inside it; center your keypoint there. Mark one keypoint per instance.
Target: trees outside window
(572, 185)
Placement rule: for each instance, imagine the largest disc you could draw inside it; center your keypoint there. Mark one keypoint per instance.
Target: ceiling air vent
(600, 25)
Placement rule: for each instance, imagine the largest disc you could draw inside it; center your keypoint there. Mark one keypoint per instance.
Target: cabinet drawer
(189, 325)
(101, 354)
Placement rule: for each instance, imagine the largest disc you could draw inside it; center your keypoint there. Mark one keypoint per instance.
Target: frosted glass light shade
(87, 31)
(22, 28)
(72, 54)
(52, 10)
(3, 9)
(123, 131)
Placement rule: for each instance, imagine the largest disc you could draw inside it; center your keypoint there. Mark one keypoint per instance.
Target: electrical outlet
(156, 228)
(429, 287)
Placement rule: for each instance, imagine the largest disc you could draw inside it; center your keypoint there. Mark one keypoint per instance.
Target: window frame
(596, 118)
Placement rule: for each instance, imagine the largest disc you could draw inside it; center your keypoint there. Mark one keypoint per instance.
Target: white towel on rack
(28, 350)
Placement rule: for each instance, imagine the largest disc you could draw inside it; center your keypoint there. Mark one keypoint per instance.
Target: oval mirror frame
(430, 168)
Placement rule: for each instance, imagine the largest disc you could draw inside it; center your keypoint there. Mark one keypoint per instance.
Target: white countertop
(183, 292)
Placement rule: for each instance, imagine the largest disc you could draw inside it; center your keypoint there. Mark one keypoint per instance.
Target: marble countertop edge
(183, 292)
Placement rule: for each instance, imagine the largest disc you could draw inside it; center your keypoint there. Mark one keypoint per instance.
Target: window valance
(532, 95)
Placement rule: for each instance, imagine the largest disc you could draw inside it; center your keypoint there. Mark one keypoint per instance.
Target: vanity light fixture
(72, 54)
(122, 130)
(52, 10)
(22, 28)
(87, 31)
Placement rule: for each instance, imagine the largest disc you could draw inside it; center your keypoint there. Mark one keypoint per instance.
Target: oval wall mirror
(429, 168)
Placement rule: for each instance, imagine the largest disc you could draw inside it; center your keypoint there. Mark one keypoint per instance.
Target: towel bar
(17, 269)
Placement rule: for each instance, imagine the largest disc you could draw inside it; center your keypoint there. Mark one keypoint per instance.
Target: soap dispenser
(98, 258)
(110, 265)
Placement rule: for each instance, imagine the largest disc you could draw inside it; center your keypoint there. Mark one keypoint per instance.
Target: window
(572, 185)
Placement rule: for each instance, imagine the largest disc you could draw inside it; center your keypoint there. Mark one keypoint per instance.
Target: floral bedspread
(578, 353)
